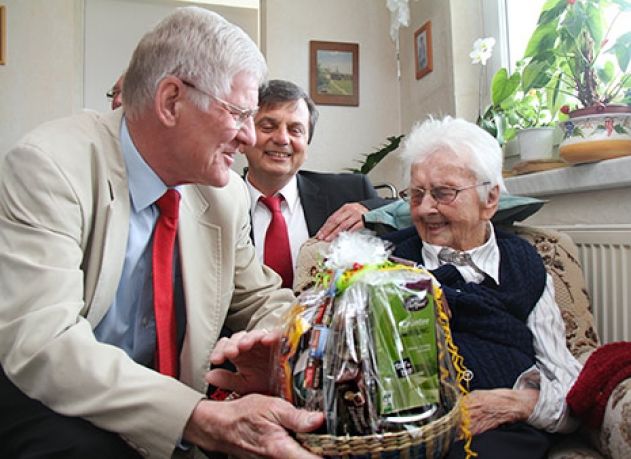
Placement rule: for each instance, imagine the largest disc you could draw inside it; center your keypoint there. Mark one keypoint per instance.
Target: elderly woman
(504, 317)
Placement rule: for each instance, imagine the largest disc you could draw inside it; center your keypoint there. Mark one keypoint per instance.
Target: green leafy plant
(513, 108)
(569, 56)
(372, 159)
(571, 50)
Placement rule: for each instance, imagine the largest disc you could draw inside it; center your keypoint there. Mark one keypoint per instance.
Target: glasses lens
(413, 195)
(239, 119)
(444, 194)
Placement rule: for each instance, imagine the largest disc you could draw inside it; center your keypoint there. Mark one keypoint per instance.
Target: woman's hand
(489, 409)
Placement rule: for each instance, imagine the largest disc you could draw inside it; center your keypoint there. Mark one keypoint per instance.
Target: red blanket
(604, 370)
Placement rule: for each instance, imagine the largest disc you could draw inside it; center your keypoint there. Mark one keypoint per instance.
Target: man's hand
(346, 218)
(488, 409)
(252, 426)
(252, 355)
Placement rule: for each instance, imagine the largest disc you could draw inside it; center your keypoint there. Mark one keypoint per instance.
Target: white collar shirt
(486, 257)
(292, 211)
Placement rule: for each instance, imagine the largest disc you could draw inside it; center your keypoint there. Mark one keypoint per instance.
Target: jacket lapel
(201, 277)
(103, 279)
(314, 204)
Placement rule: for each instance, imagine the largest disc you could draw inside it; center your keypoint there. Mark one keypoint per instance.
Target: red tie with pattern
(164, 306)
(277, 251)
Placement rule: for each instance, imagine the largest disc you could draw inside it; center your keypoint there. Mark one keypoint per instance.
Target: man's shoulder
(348, 184)
(73, 139)
(84, 125)
(229, 198)
(332, 176)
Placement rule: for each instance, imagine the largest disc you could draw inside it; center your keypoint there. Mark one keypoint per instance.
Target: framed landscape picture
(423, 50)
(334, 73)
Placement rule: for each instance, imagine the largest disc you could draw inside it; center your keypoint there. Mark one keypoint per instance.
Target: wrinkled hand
(346, 218)
(251, 353)
(252, 426)
(488, 409)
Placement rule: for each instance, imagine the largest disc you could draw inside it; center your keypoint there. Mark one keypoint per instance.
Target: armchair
(560, 256)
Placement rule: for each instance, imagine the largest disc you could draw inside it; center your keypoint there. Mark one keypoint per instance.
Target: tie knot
(458, 258)
(169, 203)
(272, 202)
(455, 257)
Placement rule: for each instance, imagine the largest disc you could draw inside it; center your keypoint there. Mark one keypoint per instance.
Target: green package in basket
(403, 321)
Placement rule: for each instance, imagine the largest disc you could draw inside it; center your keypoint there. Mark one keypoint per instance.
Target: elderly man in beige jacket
(77, 212)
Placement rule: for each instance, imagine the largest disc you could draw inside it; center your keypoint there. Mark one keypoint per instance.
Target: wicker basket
(430, 441)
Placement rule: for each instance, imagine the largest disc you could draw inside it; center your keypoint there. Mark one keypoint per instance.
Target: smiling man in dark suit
(313, 203)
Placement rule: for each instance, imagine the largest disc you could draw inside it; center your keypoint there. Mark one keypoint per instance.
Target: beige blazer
(64, 219)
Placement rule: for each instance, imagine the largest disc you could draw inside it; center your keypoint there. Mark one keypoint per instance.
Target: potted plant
(528, 116)
(572, 52)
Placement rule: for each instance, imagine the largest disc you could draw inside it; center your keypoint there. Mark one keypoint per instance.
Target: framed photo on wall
(334, 73)
(423, 50)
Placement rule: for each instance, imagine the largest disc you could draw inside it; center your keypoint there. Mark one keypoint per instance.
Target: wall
(343, 133)
(44, 75)
(107, 55)
(470, 82)
(452, 88)
(42, 78)
(431, 94)
(47, 76)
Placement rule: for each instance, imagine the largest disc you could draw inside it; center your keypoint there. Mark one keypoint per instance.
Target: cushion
(396, 215)
(615, 435)
(560, 257)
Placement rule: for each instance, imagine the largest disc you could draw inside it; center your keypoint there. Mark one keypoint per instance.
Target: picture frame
(423, 50)
(334, 73)
(3, 35)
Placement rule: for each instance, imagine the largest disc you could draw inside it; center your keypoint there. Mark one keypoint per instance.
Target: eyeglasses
(239, 114)
(441, 194)
(112, 93)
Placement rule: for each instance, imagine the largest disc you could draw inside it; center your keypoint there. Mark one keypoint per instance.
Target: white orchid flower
(482, 50)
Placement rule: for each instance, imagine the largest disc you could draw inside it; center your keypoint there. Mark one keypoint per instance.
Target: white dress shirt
(556, 369)
(292, 211)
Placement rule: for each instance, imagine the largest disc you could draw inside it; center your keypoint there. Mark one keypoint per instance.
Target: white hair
(479, 151)
(196, 45)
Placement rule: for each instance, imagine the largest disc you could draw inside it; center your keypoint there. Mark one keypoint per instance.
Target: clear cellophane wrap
(369, 344)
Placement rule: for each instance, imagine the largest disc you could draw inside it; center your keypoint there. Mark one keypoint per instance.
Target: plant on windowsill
(571, 50)
(530, 115)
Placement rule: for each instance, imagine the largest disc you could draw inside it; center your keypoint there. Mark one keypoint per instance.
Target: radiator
(605, 254)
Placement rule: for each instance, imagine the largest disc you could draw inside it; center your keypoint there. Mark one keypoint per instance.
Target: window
(512, 22)
(521, 20)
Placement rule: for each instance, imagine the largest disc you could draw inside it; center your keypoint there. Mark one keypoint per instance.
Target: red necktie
(277, 251)
(164, 306)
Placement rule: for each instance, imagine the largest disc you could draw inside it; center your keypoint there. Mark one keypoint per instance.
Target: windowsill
(611, 173)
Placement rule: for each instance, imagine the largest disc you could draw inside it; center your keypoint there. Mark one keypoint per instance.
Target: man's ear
(168, 100)
(489, 207)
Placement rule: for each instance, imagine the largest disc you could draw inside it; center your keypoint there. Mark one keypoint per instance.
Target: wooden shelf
(527, 167)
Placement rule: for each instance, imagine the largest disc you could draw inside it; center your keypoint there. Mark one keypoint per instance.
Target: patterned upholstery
(560, 256)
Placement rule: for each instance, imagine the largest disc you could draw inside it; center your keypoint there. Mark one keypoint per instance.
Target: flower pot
(536, 144)
(596, 133)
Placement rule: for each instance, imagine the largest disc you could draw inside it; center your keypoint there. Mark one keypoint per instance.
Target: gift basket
(369, 345)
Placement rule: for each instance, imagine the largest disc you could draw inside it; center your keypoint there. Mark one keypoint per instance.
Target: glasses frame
(434, 193)
(239, 114)
(112, 93)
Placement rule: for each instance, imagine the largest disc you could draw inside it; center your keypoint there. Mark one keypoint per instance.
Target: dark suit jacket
(322, 194)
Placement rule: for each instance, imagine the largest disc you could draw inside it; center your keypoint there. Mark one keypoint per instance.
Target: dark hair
(278, 91)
